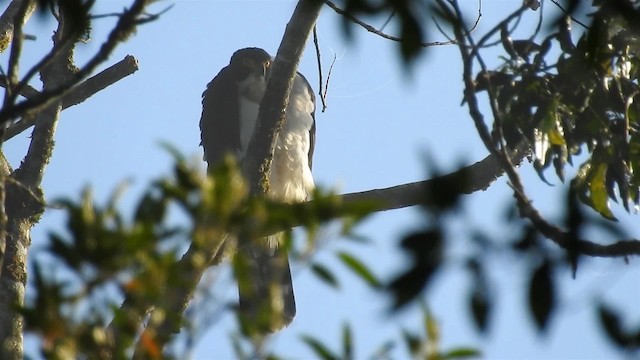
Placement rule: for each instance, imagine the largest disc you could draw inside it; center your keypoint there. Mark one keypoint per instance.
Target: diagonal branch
(125, 26)
(467, 180)
(79, 93)
(7, 23)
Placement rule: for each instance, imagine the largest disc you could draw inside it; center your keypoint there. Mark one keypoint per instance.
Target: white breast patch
(291, 178)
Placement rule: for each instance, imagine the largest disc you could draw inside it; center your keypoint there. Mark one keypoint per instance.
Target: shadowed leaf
(324, 274)
(319, 348)
(359, 268)
(542, 295)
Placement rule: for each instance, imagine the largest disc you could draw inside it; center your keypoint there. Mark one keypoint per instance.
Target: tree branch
(256, 165)
(563, 238)
(7, 20)
(80, 92)
(20, 215)
(125, 26)
(384, 35)
(472, 178)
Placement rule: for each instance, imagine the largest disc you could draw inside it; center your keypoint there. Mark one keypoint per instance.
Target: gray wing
(219, 125)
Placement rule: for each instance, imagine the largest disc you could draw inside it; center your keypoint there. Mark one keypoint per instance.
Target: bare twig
(556, 3)
(326, 86)
(375, 31)
(391, 15)
(12, 83)
(317, 46)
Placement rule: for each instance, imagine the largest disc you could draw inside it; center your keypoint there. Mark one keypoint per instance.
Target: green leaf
(359, 269)
(347, 342)
(598, 191)
(324, 274)
(319, 348)
(431, 327)
(461, 353)
(412, 341)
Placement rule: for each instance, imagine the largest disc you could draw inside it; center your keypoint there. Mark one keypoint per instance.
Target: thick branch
(6, 20)
(21, 212)
(470, 179)
(81, 92)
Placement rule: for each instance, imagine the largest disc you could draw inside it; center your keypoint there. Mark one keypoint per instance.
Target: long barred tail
(267, 303)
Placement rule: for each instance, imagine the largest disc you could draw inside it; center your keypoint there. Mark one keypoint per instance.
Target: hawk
(230, 107)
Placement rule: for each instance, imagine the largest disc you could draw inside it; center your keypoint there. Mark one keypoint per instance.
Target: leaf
(598, 191)
(347, 342)
(542, 295)
(412, 341)
(359, 269)
(480, 305)
(324, 274)
(479, 300)
(319, 348)
(541, 146)
(461, 353)
(426, 247)
(151, 209)
(431, 327)
(407, 286)
(610, 322)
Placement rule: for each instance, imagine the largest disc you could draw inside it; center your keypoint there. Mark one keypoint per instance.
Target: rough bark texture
(6, 20)
(20, 190)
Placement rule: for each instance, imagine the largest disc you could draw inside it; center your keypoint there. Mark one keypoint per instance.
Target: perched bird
(230, 107)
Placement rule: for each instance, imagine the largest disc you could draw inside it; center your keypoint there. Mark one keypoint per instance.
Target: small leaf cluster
(105, 254)
(585, 98)
(421, 345)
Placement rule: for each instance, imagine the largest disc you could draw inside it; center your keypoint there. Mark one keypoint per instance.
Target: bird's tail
(267, 303)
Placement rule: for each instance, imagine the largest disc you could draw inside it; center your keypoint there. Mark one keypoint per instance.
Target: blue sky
(379, 130)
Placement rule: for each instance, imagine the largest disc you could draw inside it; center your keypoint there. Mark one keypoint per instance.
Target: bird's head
(250, 69)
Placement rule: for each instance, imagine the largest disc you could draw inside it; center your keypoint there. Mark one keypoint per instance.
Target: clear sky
(379, 130)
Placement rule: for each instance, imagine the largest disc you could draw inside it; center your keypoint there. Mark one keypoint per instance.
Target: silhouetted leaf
(426, 248)
(359, 268)
(324, 274)
(542, 295)
(412, 342)
(319, 348)
(611, 323)
(479, 298)
(151, 209)
(347, 343)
